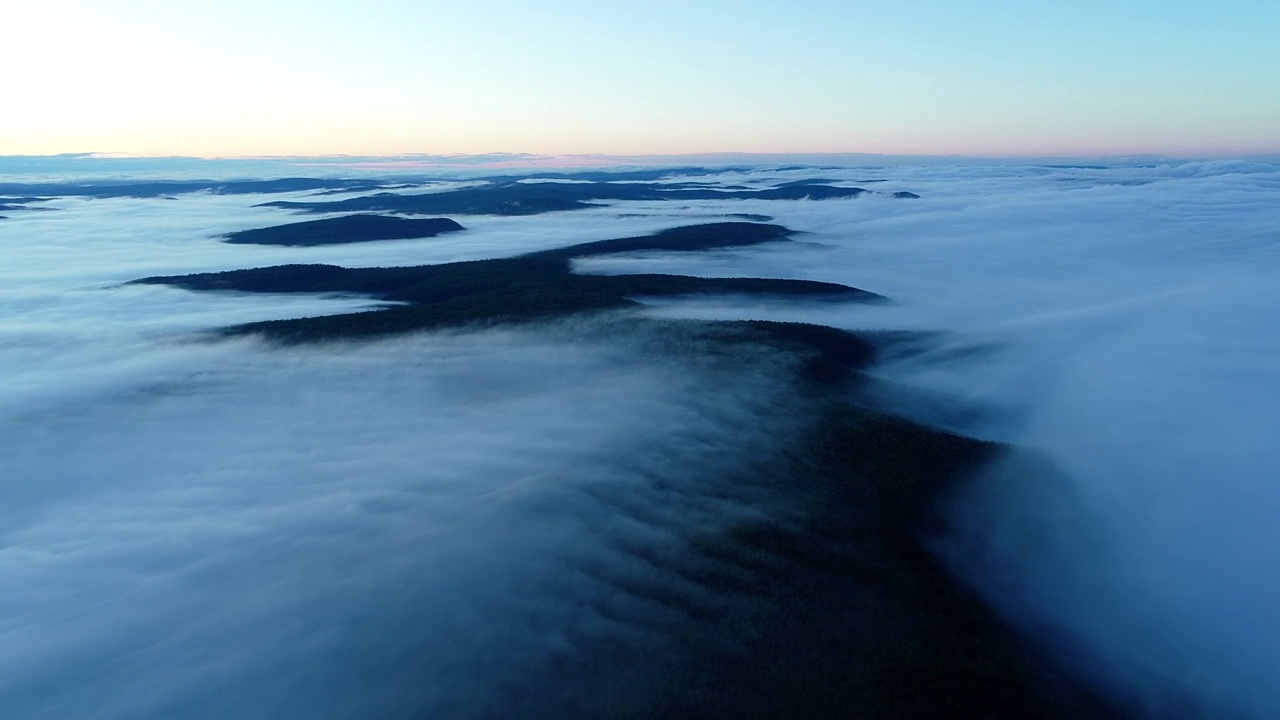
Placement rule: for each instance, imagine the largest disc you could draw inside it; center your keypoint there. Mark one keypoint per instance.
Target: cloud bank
(1123, 322)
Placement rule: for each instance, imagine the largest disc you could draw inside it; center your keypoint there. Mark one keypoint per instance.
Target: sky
(382, 77)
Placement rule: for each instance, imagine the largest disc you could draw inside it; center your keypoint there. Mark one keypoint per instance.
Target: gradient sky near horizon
(264, 77)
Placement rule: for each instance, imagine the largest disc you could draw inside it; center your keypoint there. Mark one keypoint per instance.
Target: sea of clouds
(442, 525)
(187, 521)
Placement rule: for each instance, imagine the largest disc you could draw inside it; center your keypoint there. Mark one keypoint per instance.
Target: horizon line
(509, 156)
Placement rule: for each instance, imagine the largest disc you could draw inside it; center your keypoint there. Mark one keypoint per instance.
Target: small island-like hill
(346, 229)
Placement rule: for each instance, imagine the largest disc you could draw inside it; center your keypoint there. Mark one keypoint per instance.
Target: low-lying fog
(183, 518)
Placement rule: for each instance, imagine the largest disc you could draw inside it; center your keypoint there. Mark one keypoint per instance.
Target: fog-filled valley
(1037, 465)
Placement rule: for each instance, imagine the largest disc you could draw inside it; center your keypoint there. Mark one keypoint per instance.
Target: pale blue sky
(241, 77)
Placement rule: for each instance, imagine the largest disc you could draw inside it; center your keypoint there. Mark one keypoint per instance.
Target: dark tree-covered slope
(534, 286)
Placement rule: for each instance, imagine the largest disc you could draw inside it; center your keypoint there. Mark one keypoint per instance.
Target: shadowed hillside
(825, 604)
